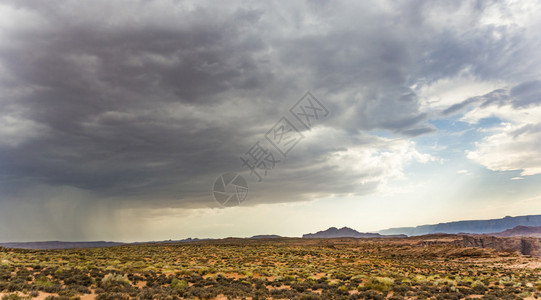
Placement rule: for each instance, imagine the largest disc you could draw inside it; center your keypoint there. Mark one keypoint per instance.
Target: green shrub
(14, 297)
(61, 298)
(179, 284)
(44, 282)
(115, 279)
(382, 284)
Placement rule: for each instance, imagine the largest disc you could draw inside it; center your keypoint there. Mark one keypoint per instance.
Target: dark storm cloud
(146, 103)
(104, 95)
(489, 52)
(104, 88)
(522, 95)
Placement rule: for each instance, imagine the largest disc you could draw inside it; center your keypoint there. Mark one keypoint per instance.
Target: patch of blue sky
(453, 137)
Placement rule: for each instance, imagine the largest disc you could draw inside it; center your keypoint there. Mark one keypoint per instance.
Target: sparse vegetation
(279, 269)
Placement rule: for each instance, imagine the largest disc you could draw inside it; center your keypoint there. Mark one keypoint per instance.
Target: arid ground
(285, 268)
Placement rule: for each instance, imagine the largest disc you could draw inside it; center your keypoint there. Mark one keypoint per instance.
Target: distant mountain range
(521, 226)
(334, 232)
(266, 236)
(474, 226)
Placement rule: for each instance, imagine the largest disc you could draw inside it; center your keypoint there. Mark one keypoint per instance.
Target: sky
(118, 117)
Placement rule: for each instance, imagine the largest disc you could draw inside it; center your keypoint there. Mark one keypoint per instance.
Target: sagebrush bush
(179, 284)
(382, 284)
(116, 278)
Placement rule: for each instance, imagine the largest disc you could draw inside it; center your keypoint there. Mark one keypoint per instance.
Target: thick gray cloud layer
(146, 102)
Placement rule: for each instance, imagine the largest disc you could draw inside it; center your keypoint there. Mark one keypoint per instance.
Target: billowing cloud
(511, 148)
(145, 104)
(515, 143)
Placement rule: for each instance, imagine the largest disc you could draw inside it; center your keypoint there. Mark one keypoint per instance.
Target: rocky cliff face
(526, 231)
(524, 245)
